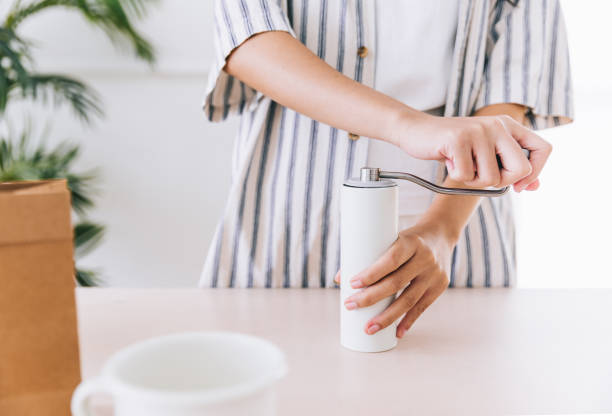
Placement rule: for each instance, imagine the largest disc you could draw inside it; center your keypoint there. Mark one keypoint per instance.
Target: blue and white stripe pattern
(280, 227)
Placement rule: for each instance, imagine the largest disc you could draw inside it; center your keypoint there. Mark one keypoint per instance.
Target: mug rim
(116, 384)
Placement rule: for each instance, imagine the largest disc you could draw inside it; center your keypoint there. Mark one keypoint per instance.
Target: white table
(492, 352)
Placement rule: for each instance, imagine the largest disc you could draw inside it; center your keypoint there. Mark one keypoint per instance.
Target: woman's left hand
(417, 264)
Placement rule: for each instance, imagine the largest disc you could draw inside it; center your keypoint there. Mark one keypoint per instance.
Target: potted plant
(22, 157)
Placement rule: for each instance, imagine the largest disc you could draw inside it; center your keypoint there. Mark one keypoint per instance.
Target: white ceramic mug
(188, 374)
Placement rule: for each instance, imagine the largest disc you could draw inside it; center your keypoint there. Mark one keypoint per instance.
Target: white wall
(566, 227)
(156, 152)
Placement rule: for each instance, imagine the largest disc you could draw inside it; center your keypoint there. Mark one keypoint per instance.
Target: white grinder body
(368, 227)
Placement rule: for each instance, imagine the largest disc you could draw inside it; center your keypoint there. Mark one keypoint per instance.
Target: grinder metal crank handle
(375, 174)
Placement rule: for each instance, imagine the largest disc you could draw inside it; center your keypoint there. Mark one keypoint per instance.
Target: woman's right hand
(470, 145)
(282, 68)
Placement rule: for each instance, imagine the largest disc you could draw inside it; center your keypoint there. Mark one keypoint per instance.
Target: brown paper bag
(39, 356)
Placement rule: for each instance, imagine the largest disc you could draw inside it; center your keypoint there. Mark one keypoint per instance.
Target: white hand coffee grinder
(368, 227)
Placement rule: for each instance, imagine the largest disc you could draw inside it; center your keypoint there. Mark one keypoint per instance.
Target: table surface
(482, 351)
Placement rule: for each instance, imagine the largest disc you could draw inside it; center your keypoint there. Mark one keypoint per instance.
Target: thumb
(337, 278)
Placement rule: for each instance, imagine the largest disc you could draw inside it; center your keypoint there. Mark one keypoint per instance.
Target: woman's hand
(282, 68)
(417, 264)
(470, 146)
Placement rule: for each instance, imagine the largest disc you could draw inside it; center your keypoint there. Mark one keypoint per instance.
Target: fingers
(388, 286)
(475, 143)
(417, 310)
(515, 164)
(472, 156)
(407, 300)
(487, 169)
(538, 159)
(337, 278)
(460, 165)
(539, 149)
(533, 186)
(420, 275)
(400, 252)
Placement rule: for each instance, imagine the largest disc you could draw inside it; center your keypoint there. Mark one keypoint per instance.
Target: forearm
(450, 214)
(283, 69)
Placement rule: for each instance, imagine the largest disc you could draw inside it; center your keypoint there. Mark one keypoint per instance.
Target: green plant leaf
(112, 16)
(87, 278)
(87, 236)
(18, 79)
(13, 60)
(24, 161)
(61, 89)
(80, 186)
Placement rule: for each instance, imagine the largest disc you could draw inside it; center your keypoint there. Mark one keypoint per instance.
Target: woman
(444, 81)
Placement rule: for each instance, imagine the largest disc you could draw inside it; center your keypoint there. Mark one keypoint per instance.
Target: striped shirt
(280, 226)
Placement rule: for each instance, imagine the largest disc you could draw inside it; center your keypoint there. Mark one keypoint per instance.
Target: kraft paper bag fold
(39, 355)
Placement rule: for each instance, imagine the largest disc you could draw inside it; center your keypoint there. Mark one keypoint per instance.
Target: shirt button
(362, 51)
(353, 136)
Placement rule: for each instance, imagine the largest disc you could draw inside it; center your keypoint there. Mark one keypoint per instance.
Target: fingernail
(400, 332)
(350, 305)
(356, 283)
(372, 329)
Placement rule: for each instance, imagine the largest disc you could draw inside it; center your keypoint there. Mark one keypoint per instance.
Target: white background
(165, 170)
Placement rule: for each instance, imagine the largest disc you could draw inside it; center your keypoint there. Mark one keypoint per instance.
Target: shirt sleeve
(235, 21)
(528, 62)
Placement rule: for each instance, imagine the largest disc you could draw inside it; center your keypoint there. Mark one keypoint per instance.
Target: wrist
(402, 123)
(441, 228)
(451, 213)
